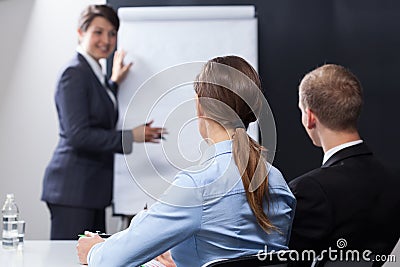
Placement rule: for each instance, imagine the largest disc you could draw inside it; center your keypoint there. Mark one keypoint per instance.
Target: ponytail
(229, 92)
(252, 167)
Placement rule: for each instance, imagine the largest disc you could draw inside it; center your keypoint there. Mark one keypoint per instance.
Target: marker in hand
(160, 135)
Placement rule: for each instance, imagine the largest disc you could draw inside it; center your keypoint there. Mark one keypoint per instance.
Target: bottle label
(10, 236)
(9, 218)
(10, 232)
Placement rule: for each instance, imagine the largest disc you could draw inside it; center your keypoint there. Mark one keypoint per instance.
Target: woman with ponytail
(233, 204)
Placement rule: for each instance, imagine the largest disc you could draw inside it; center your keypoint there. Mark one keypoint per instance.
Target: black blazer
(351, 196)
(80, 173)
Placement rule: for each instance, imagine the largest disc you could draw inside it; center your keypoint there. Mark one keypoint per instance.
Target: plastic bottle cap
(10, 195)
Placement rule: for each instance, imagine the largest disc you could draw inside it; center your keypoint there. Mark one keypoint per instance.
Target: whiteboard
(168, 46)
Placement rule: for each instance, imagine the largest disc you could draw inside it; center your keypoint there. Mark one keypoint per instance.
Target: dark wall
(297, 36)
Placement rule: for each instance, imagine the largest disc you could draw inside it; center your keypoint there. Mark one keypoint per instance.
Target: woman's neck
(217, 133)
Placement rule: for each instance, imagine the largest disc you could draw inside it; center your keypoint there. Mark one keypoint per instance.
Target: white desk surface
(46, 253)
(41, 253)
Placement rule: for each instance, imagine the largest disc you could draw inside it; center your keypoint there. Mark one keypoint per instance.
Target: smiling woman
(78, 180)
(98, 34)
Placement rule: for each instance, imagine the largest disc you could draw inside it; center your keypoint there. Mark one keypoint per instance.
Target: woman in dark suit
(78, 181)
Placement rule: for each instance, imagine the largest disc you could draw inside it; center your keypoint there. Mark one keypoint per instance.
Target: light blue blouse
(202, 216)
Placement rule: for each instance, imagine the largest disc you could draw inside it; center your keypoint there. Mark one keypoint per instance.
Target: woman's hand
(166, 259)
(85, 244)
(146, 133)
(119, 69)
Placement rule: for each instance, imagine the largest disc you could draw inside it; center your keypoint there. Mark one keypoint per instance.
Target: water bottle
(10, 231)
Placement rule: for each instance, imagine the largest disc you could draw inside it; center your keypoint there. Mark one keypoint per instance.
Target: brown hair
(92, 11)
(229, 92)
(334, 94)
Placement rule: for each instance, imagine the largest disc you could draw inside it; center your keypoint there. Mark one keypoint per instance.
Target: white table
(41, 253)
(46, 253)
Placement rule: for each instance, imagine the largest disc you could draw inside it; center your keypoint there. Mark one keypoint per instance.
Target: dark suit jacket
(351, 196)
(80, 173)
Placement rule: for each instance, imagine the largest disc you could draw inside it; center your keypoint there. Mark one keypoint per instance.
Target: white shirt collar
(96, 67)
(335, 149)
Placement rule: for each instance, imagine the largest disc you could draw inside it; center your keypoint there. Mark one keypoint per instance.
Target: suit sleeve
(313, 218)
(73, 103)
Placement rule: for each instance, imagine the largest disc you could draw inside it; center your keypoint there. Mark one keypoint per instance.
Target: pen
(103, 235)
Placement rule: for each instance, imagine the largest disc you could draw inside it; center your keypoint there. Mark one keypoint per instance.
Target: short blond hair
(334, 94)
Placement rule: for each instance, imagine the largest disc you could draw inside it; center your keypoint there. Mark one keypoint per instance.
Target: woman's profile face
(99, 39)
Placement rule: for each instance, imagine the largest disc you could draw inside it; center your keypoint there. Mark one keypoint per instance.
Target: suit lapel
(348, 152)
(113, 115)
(115, 106)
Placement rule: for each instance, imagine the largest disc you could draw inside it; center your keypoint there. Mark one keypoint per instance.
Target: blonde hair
(334, 94)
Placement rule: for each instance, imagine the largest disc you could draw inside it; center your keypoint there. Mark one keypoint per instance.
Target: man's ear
(311, 119)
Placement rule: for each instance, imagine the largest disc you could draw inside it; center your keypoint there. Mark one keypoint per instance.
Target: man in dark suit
(350, 202)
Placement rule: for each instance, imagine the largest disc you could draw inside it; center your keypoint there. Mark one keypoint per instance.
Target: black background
(297, 36)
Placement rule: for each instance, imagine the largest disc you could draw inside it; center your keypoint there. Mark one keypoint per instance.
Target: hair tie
(238, 125)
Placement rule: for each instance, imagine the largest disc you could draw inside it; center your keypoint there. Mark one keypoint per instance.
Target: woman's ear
(80, 34)
(199, 109)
